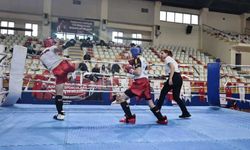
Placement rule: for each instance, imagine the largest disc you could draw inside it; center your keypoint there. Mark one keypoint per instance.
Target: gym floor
(31, 127)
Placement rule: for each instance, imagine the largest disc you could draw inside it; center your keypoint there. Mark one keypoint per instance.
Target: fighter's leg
(122, 99)
(155, 110)
(59, 102)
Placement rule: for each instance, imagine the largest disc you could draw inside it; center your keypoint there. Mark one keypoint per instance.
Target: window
(7, 24)
(163, 15)
(67, 36)
(60, 35)
(136, 36)
(80, 36)
(70, 36)
(4, 24)
(178, 17)
(34, 28)
(187, 18)
(84, 36)
(194, 19)
(117, 34)
(170, 16)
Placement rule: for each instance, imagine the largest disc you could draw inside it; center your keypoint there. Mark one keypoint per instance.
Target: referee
(174, 82)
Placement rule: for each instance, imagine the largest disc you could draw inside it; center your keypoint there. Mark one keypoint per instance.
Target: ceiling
(225, 6)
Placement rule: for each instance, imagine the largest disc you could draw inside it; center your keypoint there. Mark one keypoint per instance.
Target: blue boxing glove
(69, 43)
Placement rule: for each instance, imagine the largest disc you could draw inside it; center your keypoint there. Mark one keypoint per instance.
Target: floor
(88, 127)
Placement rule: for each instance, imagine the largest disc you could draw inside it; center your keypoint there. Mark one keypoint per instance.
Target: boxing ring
(29, 127)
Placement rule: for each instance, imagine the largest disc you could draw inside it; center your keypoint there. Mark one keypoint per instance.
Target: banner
(75, 26)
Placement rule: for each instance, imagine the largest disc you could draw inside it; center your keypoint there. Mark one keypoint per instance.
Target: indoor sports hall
(124, 74)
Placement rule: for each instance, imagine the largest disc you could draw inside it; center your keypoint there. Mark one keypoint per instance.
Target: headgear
(48, 42)
(135, 51)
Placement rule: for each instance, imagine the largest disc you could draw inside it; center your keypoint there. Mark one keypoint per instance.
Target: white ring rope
(239, 86)
(236, 99)
(233, 65)
(99, 86)
(123, 62)
(99, 91)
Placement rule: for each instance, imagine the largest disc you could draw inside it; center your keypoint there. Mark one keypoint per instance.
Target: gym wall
(87, 9)
(129, 11)
(22, 6)
(225, 22)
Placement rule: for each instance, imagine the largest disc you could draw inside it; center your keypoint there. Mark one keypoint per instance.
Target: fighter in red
(59, 67)
(140, 87)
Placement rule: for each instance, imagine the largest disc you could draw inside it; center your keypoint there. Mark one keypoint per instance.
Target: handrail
(232, 34)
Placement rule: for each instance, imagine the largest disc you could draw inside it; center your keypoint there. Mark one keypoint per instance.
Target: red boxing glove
(131, 62)
(129, 69)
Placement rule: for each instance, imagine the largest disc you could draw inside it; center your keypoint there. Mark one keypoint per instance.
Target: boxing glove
(91, 77)
(69, 43)
(129, 69)
(131, 62)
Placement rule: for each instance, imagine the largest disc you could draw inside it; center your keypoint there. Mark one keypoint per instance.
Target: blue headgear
(135, 51)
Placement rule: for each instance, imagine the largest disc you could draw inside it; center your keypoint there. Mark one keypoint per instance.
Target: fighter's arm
(135, 68)
(137, 71)
(60, 47)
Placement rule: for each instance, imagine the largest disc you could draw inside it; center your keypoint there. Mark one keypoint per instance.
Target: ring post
(16, 75)
(213, 84)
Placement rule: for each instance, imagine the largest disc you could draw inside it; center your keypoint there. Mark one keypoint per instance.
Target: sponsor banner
(75, 26)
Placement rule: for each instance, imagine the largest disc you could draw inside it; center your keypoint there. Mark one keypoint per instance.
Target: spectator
(132, 45)
(109, 68)
(116, 68)
(87, 56)
(83, 67)
(102, 43)
(103, 69)
(30, 49)
(84, 43)
(96, 69)
(89, 43)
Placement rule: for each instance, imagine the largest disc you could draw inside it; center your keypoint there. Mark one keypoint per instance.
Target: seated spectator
(115, 68)
(83, 67)
(30, 49)
(84, 43)
(132, 45)
(87, 56)
(103, 69)
(102, 43)
(89, 43)
(96, 69)
(109, 68)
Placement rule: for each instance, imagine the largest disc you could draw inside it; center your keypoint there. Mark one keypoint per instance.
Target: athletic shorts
(61, 71)
(141, 88)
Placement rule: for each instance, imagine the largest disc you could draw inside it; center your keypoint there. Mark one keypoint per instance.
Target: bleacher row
(194, 60)
(10, 40)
